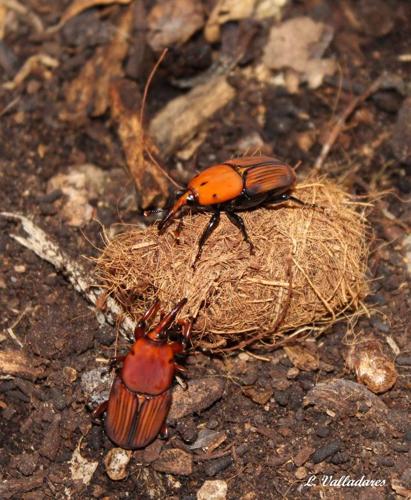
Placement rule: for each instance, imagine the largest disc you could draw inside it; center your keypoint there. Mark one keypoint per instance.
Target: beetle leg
(186, 327)
(238, 222)
(164, 431)
(177, 347)
(215, 219)
(101, 408)
(288, 197)
(114, 361)
(179, 368)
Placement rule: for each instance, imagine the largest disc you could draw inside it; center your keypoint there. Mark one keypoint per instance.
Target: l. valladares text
(344, 482)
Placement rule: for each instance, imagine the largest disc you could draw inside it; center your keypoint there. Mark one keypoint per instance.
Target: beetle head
(185, 199)
(159, 333)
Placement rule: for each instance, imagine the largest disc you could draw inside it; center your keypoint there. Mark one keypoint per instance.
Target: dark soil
(278, 441)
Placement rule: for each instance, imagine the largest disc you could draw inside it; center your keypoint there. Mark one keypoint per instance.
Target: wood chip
(150, 181)
(173, 22)
(77, 7)
(174, 461)
(89, 92)
(182, 118)
(16, 363)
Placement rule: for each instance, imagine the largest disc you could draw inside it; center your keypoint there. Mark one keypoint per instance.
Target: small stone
(293, 373)
(281, 397)
(386, 461)
(400, 447)
(403, 360)
(300, 473)
(340, 458)
(199, 395)
(27, 463)
(218, 465)
(70, 374)
(20, 268)
(213, 490)
(326, 451)
(303, 455)
(187, 430)
(116, 462)
(323, 431)
(174, 461)
(52, 441)
(152, 451)
(258, 395)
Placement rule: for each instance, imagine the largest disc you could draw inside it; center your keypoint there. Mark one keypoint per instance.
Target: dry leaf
(81, 469)
(173, 22)
(78, 6)
(151, 183)
(89, 92)
(299, 44)
(234, 10)
(25, 13)
(182, 118)
(16, 363)
(303, 357)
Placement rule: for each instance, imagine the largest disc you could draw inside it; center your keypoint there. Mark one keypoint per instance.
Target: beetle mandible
(140, 397)
(233, 186)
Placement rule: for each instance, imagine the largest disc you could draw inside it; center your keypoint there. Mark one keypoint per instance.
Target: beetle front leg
(215, 219)
(238, 222)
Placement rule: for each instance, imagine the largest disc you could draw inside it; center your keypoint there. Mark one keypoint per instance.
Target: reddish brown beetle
(140, 397)
(233, 186)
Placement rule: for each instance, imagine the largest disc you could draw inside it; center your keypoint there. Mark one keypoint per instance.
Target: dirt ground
(269, 429)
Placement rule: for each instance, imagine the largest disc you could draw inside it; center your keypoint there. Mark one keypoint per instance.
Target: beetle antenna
(143, 106)
(148, 83)
(153, 211)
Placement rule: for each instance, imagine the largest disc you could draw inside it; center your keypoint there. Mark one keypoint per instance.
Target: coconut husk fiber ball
(308, 268)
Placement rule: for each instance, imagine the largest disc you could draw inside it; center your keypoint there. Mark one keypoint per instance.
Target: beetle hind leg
(288, 197)
(98, 412)
(238, 222)
(164, 432)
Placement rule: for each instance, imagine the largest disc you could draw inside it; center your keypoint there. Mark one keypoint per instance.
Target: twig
(42, 245)
(340, 122)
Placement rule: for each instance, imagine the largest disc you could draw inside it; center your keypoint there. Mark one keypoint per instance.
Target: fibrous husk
(308, 268)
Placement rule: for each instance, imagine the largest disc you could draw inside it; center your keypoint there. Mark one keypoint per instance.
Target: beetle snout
(184, 199)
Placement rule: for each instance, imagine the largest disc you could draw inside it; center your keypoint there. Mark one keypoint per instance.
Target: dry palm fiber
(308, 268)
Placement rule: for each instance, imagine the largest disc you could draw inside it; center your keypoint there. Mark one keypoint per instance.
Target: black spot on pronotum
(214, 195)
(204, 183)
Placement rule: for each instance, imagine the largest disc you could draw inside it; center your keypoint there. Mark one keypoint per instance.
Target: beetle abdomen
(216, 184)
(134, 420)
(267, 178)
